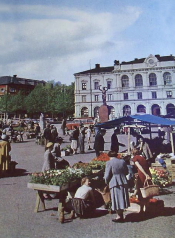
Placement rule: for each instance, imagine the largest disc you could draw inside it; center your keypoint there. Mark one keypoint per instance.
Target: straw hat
(49, 144)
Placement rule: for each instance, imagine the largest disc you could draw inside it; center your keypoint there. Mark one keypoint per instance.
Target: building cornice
(143, 70)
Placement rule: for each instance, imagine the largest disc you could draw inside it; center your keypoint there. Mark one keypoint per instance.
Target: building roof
(109, 69)
(98, 70)
(160, 58)
(5, 80)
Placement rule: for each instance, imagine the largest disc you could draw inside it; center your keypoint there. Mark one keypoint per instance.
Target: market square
(18, 202)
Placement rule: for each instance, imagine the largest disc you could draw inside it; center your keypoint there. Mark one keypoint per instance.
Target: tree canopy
(52, 99)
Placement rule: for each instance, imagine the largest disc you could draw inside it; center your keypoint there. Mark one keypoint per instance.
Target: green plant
(59, 177)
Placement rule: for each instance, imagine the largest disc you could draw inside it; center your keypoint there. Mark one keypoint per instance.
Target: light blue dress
(115, 175)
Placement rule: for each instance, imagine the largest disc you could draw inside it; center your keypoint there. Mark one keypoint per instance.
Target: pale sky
(53, 39)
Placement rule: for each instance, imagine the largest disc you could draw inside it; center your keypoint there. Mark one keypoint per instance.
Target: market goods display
(59, 177)
(161, 177)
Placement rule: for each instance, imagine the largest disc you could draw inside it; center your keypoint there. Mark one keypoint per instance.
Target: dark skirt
(83, 208)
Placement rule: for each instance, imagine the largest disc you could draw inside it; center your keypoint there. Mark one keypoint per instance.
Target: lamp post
(90, 87)
(63, 91)
(6, 101)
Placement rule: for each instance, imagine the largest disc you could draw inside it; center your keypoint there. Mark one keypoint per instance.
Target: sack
(149, 190)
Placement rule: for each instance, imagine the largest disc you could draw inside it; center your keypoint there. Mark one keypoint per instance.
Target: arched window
(111, 113)
(84, 112)
(170, 109)
(155, 110)
(125, 81)
(141, 109)
(126, 110)
(167, 78)
(138, 80)
(96, 112)
(152, 79)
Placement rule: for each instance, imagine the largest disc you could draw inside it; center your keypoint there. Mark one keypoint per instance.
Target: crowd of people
(116, 171)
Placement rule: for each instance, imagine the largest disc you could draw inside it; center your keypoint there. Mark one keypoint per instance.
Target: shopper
(47, 135)
(143, 173)
(115, 175)
(114, 141)
(63, 125)
(88, 133)
(5, 157)
(74, 139)
(81, 138)
(99, 142)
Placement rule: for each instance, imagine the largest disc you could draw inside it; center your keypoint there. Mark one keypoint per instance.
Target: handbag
(149, 190)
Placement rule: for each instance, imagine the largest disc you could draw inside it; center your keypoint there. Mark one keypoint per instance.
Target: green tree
(16, 102)
(5, 102)
(36, 101)
(64, 101)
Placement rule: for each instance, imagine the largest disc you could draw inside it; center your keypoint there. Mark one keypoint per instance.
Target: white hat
(4, 137)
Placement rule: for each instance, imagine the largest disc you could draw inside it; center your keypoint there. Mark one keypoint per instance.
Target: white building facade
(144, 85)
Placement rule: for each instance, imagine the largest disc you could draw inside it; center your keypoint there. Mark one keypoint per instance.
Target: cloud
(43, 40)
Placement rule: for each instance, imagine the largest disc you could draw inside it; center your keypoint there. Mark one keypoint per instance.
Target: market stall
(145, 120)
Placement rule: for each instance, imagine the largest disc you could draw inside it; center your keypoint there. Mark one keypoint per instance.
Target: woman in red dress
(143, 174)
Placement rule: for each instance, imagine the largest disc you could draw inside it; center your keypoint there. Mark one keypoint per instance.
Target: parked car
(76, 122)
(49, 120)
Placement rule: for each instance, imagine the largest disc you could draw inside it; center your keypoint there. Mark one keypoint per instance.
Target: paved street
(18, 220)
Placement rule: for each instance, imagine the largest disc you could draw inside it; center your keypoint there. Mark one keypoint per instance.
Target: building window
(96, 85)
(125, 81)
(12, 90)
(125, 96)
(109, 84)
(2, 90)
(83, 86)
(83, 98)
(154, 95)
(139, 95)
(109, 97)
(84, 112)
(96, 98)
(152, 79)
(169, 94)
(167, 78)
(138, 80)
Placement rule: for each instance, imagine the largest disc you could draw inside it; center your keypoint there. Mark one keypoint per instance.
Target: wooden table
(60, 190)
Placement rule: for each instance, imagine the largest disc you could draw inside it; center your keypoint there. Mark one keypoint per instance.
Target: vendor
(144, 147)
(84, 202)
(49, 161)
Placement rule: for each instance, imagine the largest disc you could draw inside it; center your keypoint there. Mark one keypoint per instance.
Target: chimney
(97, 66)
(15, 75)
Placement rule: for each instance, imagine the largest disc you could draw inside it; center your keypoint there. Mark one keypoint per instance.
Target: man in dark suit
(99, 142)
(114, 141)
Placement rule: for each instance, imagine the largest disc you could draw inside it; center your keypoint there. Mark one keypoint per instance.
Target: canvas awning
(146, 118)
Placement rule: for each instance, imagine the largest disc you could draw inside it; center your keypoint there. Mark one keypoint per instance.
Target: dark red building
(13, 84)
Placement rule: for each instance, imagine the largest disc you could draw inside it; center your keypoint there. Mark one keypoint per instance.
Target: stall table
(60, 190)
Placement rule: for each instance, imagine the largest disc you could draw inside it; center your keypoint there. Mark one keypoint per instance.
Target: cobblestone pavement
(17, 202)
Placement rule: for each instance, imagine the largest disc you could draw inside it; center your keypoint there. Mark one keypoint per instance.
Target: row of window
(12, 90)
(138, 81)
(126, 96)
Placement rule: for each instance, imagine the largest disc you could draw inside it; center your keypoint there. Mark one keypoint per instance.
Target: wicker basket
(149, 190)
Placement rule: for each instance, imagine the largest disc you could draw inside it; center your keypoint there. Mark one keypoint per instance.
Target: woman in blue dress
(115, 175)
